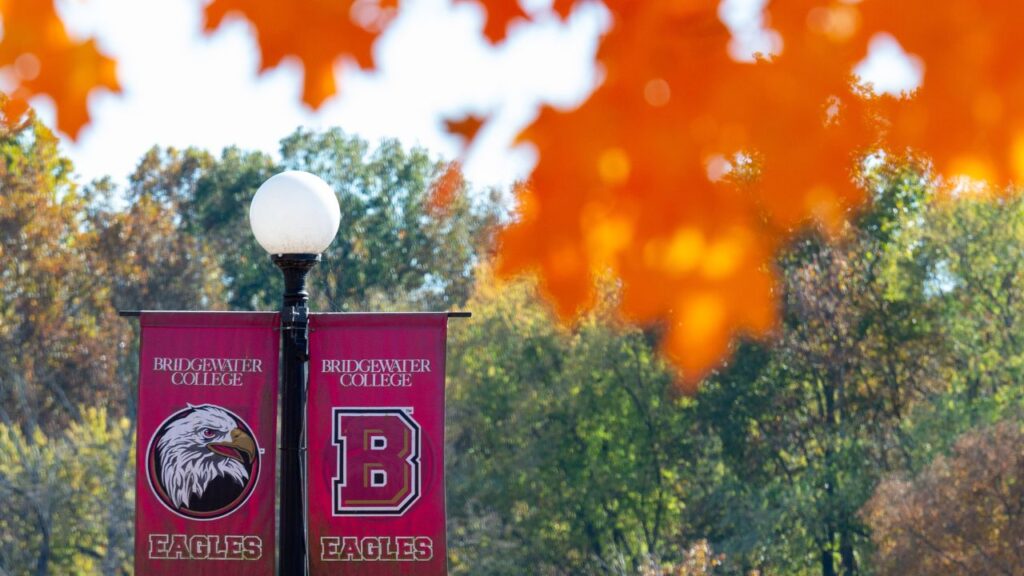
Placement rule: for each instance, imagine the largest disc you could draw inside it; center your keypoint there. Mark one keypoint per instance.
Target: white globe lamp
(294, 213)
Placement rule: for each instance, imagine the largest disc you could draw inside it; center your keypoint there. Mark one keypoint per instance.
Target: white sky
(183, 88)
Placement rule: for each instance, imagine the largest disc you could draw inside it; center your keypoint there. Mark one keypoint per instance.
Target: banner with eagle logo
(206, 443)
(375, 424)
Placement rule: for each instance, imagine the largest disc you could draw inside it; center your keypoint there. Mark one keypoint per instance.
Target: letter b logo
(378, 461)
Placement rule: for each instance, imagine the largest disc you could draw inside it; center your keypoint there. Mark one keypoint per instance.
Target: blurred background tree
(962, 514)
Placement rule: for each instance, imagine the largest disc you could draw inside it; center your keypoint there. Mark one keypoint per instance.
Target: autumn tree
(54, 312)
(951, 509)
(962, 514)
(144, 246)
(74, 255)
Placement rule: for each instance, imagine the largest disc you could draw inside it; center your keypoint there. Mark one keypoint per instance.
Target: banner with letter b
(375, 422)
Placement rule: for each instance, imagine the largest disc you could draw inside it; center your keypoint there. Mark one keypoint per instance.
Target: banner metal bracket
(137, 313)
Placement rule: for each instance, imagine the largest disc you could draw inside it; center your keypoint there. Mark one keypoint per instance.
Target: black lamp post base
(294, 355)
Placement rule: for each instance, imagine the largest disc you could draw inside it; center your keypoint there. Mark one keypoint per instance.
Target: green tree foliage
(810, 422)
(699, 560)
(973, 249)
(216, 209)
(56, 511)
(393, 250)
(570, 452)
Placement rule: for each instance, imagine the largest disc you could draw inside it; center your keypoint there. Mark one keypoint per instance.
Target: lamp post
(294, 216)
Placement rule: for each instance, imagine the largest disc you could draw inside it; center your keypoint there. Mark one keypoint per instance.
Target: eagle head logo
(203, 462)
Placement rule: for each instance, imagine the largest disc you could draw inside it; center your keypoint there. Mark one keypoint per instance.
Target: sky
(183, 88)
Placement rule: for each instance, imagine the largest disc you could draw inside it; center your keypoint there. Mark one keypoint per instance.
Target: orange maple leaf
(318, 32)
(635, 180)
(621, 185)
(500, 15)
(46, 60)
(968, 114)
(451, 180)
(466, 128)
(12, 110)
(805, 116)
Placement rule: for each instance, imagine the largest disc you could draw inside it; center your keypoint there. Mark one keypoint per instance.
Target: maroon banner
(206, 443)
(375, 424)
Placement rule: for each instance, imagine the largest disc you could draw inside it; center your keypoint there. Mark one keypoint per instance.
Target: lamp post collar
(295, 267)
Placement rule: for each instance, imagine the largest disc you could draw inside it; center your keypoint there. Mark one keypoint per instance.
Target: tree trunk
(828, 567)
(846, 554)
(43, 560)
